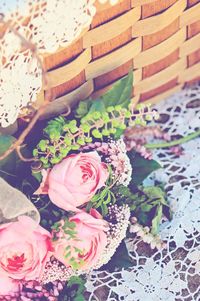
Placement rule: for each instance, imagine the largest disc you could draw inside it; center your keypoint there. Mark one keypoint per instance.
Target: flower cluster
(90, 186)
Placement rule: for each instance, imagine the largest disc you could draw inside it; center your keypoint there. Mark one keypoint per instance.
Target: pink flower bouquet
(87, 182)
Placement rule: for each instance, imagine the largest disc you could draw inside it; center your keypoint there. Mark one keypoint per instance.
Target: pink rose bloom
(89, 244)
(24, 249)
(9, 286)
(75, 180)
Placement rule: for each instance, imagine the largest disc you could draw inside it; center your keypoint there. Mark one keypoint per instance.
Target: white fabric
(20, 82)
(51, 24)
(13, 203)
(172, 274)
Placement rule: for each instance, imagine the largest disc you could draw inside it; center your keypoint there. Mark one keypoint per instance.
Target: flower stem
(174, 142)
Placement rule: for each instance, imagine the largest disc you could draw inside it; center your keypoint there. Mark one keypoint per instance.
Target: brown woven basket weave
(159, 40)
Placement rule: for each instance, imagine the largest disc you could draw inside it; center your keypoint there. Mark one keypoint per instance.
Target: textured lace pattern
(20, 78)
(51, 24)
(173, 273)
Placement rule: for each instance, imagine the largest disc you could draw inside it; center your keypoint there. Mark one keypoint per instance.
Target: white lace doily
(173, 273)
(50, 25)
(53, 23)
(20, 78)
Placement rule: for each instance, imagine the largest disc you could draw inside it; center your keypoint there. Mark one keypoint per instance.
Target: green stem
(173, 143)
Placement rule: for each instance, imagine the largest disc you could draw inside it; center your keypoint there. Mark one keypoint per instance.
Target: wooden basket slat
(158, 22)
(61, 103)
(108, 78)
(111, 29)
(67, 87)
(161, 77)
(141, 2)
(164, 95)
(154, 39)
(193, 29)
(64, 56)
(58, 76)
(161, 64)
(114, 59)
(111, 12)
(159, 90)
(107, 47)
(193, 58)
(186, 75)
(152, 9)
(161, 50)
(159, 40)
(190, 16)
(190, 45)
(192, 2)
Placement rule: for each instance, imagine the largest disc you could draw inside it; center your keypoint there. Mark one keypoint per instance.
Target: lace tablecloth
(173, 273)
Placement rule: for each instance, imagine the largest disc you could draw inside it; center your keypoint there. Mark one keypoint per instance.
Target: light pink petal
(94, 155)
(44, 186)
(63, 199)
(103, 175)
(8, 286)
(59, 171)
(89, 220)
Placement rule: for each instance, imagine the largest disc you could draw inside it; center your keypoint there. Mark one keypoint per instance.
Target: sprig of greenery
(65, 136)
(97, 119)
(148, 204)
(102, 200)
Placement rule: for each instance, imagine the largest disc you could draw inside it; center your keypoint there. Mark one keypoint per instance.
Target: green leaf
(7, 165)
(120, 259)
(118, 134)
(55, 127)
(142, 168)
(158, 197)
(73, 290)
(147, 207)
(97, 106)
(37, 176)
(156, 221)
(155, 193)
(120, 93)
(12, 163)
(143, 218)
(104, 209)
(83, 108)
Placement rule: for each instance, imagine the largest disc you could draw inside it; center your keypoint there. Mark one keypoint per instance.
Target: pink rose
(87, 247)
(9, 286)
(75, 180)
(24, 249)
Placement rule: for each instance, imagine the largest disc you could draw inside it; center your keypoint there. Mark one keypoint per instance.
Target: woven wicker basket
(159, 40)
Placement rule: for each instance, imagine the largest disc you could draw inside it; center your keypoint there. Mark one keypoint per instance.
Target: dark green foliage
(148, 204)
(50, 213)
(120, 93)
(74, 290)
(16, 172)
(83, 108)
(102, 200)
(142, 168)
